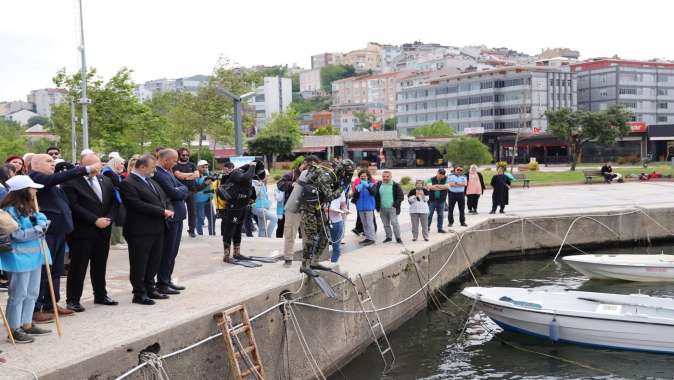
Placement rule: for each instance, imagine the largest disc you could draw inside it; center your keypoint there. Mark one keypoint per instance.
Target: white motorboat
(629, 322)
(651, 268)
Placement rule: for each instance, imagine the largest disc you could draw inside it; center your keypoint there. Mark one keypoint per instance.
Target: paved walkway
(200, 268)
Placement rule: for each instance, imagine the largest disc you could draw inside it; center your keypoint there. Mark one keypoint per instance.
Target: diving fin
(243, 263)
(320, 282)
(261, 259)
(327, 269)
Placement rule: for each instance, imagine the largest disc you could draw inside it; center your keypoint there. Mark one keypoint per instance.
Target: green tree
(39, 145)
(42, 120)
(328, 130)
(438, 128)
(284, 124)
(271, 145)
(331, 73)
(315, 104)
(295, 78)
(577, 128)
(365, 119)
(12, 141)
(391, 124)
(466, 151)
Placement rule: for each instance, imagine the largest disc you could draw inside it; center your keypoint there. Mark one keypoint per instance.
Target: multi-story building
(273, 96)
(310, 83)
(44, 99)
(364, 60)
(191, 84)
(14, 106)
(374, 94)
(644, 88)
(500, 99)
(320, 60)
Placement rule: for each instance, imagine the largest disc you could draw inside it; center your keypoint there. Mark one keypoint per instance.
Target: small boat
(629, 322)
(647, 268)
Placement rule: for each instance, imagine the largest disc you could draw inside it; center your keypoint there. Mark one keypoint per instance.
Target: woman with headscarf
(474, 189)
(501, 185)
(113, 170)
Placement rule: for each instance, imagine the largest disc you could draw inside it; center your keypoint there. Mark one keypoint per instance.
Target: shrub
(406, 180)
(533, 166)
(621, 161)
(297, 162)
(277, 177)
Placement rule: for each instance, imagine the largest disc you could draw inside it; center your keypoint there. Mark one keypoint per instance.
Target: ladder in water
(376, 327)
(235, 346)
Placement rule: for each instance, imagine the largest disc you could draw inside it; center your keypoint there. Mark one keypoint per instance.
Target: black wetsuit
(236, 209)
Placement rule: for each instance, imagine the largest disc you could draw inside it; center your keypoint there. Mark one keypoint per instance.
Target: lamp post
(238, 112)
(84, 101)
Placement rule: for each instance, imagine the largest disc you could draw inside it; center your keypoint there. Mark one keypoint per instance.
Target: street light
(238, 111)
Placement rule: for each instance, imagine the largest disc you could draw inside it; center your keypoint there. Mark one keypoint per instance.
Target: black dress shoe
(167, 290)
(75, 306)
(157, 296)
(142, 300)
(175, 287)
(105, 301)
(192, 234)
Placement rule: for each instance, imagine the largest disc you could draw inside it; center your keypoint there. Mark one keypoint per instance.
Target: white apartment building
(43, 99)
(273, 96)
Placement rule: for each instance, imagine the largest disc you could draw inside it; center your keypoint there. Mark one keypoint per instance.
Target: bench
(523, 178)
(591, 174)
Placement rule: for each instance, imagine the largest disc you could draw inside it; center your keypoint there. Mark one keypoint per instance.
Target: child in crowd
(336, 212)
(266, 219)
(418, 200)
(24, 261)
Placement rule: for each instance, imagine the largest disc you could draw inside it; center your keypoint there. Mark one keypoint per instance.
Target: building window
(663, 78)
(662, 119)
(662, 91)
(632, 105)
(603, 93)
(663, 105)
(628, 91)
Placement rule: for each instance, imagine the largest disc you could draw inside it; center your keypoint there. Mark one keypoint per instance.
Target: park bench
(591, 174)
(523, 178)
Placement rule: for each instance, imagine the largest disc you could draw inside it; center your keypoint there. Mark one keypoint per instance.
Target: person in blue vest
(24, 261)
(177, 193)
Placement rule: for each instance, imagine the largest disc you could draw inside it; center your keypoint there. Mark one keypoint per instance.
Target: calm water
(426, 347)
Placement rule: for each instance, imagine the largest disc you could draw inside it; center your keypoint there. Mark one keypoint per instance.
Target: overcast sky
(171, 38)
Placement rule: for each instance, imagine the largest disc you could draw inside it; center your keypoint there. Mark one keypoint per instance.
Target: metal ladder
(234, 345)
(376, 327)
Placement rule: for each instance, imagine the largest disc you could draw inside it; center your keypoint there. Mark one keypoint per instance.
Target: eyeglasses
(459, 170)
(53, 153)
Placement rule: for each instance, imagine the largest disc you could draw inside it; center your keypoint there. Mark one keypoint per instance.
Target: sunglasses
(459, 170)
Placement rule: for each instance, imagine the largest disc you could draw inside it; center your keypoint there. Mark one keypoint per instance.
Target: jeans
(336, 234)
(266, 221)
(23, 291)
(205, 209)
(389, 218)
(367, 218)
(439, 208)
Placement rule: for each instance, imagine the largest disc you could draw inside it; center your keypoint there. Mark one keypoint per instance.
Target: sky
(172, 39)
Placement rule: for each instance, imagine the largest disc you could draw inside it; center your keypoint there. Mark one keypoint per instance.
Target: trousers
(171, 246)
(144, 257)
(457, 199)
(83, 252)
(290, 228)
(389, 218)
(419, 219)
(439, 207)
(314, 232)
(472, 200)
(24, 288)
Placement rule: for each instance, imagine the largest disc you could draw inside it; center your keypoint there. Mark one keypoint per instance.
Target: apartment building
(310, 83)
(499, 99)
(45, 98)
(324, 59)
(273, 96)
(191, 84)
(644, 88)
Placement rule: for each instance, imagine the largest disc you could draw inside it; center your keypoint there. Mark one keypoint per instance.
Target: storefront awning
(661, 132)
(310, 149)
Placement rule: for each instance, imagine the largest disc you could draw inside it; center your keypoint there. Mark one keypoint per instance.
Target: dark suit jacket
(175, 190)
(144, 208)
(87, 208)
(53, 201)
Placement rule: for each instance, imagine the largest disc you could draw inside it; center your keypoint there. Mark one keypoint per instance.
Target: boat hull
(606, 269)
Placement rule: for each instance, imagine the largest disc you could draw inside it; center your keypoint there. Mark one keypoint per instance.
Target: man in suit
(177, 193)
(147, 209)
(54, 204)
(92, 203)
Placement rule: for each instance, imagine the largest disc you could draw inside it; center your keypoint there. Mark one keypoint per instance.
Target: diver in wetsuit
(238, 193)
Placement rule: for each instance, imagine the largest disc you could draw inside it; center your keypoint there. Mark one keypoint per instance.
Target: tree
(284, 124)
(365, 119)
(42, 120)
(438, 128)
(270, 146)
(391, 124)
(328, 130)
(577, 128)
(315, 104)
(295, 78)
(331, 73)
(467, 151)
(12, 141)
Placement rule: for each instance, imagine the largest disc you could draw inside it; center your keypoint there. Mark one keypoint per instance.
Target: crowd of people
(72, 213)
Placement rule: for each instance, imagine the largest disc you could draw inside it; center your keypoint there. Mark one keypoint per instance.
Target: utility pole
(84, 101)
(73, 131)
(238, 112)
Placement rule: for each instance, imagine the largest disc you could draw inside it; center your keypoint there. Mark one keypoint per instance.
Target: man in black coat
(92, 202)
(177, 193)
(54, 204)
(147, 209)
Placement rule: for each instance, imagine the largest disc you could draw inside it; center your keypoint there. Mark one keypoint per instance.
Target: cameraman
(219, 202)
(203, 198)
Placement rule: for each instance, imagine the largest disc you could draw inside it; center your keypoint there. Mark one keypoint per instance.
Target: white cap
(58, 161)
(20, 182)
(202, 163)
(86, 151)
(114, 155)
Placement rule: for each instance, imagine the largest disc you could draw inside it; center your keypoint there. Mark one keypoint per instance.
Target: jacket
(53, 201)
(87, 208)
(144, 207)
(175, 190)
(365, 196)
(28, 243)
(285, 184)
(398, 196)
(418, 205)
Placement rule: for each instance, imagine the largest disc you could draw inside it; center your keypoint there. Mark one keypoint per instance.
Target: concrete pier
(104, 342)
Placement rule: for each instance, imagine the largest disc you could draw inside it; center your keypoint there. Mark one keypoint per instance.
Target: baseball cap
(20, 182)
(202, 163)
(441, 171)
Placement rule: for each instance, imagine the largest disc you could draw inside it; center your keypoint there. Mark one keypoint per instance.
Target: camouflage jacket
(326, 183)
